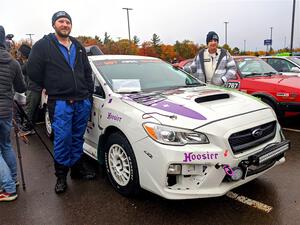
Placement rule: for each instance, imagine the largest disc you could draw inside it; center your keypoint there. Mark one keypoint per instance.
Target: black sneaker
(61, 186)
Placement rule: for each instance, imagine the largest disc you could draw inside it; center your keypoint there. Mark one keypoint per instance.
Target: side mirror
(295, 70)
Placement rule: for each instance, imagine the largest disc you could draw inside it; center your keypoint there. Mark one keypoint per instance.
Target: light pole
(30, 37)
(226, 32)
(244, 46)
(127, 9)
(293, 20)
(271, 38)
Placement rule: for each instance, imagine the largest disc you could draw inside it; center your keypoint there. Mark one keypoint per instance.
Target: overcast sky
(172, 20)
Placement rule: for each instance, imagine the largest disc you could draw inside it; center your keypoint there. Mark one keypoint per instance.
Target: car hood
(290, 81)
(192, 107)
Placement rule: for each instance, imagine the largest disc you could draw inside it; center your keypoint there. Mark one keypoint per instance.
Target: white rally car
(156, 127)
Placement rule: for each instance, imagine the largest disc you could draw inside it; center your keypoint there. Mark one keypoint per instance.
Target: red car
(259, 79)
(183, 63)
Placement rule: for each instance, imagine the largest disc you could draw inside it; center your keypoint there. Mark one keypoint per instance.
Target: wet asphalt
(95, 202)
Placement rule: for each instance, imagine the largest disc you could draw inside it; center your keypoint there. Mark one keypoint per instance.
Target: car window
(296, 60)
(98, 89)
(145, 74)
(253, 66)
(281, 65)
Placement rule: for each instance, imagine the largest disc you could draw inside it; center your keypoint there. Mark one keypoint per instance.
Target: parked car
(156, 127)
(287, 65)
(259, 79)
(183, 63)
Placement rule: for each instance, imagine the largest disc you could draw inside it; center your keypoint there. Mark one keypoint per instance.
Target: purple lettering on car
(111, 116)
(190, 156)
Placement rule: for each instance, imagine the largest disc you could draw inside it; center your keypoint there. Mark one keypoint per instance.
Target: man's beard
(63, 35)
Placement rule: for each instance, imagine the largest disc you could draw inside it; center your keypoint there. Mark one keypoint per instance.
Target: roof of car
(109, 57)
(243, 56)
(275, 56)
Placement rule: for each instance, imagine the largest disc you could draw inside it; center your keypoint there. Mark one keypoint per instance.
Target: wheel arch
(261, 95)
(101, 142)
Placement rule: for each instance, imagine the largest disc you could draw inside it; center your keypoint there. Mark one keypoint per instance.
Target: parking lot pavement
(95, 202)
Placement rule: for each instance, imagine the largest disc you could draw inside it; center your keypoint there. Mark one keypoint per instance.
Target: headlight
(174, 136)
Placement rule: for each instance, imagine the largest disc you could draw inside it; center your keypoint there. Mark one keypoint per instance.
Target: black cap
(24, 50)
(60, 14)
(212, 36)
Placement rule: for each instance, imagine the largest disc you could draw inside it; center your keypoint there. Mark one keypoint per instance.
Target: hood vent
(210, 98)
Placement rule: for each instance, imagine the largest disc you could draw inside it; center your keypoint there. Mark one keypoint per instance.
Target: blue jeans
(8, 163)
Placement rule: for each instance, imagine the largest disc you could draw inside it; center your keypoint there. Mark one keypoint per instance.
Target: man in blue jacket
(58, 63)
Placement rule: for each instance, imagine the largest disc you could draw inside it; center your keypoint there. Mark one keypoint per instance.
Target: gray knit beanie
(60, 14)
(212, 36)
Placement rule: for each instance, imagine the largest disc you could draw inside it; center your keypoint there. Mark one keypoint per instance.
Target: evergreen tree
(107, 38)
(155, 40)
(136, 40)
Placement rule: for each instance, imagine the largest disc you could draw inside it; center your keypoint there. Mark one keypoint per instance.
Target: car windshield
(296, 60)
(134, 75)
(254, 67)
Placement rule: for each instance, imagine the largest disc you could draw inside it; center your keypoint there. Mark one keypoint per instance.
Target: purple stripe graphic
(178, 109)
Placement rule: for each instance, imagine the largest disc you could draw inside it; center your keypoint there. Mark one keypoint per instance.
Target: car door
(94, 129)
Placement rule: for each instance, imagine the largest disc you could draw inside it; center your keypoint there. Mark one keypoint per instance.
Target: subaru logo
(257, 133)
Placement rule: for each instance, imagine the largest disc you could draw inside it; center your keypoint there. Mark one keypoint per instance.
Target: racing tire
(121, 166)
(279, 114)
(48, 127)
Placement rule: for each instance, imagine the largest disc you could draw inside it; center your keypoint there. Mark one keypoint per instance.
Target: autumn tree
(167, 53)
(147, 49)
(185, 50)
(125, 47)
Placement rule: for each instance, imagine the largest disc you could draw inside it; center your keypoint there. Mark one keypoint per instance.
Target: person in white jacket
(213, 65)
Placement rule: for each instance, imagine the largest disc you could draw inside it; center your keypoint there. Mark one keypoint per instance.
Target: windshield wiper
(270, 73)
(191, 85)
(252, 74)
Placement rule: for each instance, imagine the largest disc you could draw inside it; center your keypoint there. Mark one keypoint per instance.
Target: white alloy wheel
(119, 165)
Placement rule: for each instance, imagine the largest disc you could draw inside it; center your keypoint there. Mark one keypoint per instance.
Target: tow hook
(233, 174)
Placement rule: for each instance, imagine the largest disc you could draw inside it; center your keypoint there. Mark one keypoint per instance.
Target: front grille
(252, 137)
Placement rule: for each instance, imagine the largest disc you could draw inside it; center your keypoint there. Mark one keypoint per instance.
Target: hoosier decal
(190, 156)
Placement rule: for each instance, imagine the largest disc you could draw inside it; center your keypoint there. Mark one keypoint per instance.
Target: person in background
(33, 94)
(213, 65)
(59, 63)
(11, 79)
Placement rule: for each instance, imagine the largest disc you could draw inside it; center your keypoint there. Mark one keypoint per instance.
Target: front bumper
(201, 178)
